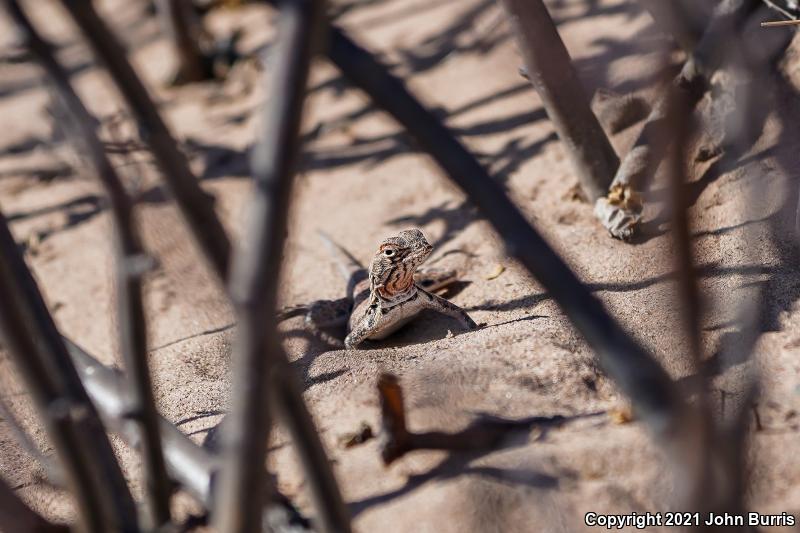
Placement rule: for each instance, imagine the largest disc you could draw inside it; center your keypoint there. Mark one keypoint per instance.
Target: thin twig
(195, 204)
(483, 434)
(123, 147)
(131, 263)
(259, 358)
(774, 23)
(775, 7)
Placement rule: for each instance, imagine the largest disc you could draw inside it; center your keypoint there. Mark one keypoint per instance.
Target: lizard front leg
(439, 304)
(364, 327)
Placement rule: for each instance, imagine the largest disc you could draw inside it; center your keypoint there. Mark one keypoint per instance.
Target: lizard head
(392, 269)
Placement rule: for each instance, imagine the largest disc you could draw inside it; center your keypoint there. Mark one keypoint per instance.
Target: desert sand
(361, 179)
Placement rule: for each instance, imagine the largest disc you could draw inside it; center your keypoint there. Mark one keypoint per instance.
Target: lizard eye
(388, 252)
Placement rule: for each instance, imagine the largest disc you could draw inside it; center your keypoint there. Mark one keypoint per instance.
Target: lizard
(385, 297)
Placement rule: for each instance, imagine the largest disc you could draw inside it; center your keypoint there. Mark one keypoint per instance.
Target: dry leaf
(621, 211)
(621, 415)
(498, 269)
(624, 196)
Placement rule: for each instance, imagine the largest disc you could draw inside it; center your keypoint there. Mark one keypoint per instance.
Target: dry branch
(130, 260)
(788, 13)
(755, 78)
(34, 344)
(715, 452)
(549, 68)
(196, 206)
(194, 468)
(691, 465)
(621, 218)
(776, 23)
(481, 435)
(259, 358)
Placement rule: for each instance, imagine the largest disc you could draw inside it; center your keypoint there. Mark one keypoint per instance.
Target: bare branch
(33, 342)
(483, 434)
(259, 357)
(784, 12)
(775, 23)
(196, 205)
(194, 468)
(690, 85)
(130, 260)
(550, 70)
(395, 438)
(691, 460)
(755, 79)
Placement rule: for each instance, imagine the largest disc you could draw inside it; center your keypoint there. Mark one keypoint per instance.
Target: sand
(361, 180)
